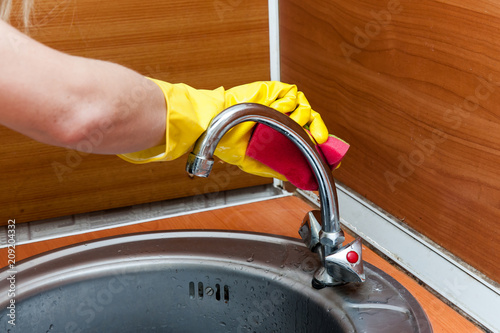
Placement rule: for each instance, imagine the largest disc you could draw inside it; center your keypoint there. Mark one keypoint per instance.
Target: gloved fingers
(318, 128)
(282, 97)
(285, 99)
(316, 125)
(301, 115)
(277, 95)
(302, 111)
(304, 115)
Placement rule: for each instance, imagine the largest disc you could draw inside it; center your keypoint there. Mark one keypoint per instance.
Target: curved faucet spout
(324, 236)
(200, 160)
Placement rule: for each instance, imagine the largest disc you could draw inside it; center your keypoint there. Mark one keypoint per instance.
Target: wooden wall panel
(414, 87)
(205, 43)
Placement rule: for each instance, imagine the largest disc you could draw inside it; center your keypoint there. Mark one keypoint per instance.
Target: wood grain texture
(205, 43)
(414, 87)
(279, 216)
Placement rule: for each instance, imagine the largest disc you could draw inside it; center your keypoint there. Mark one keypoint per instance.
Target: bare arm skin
(60, 99)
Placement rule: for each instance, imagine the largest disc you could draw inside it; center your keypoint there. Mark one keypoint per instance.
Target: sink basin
(199, 281)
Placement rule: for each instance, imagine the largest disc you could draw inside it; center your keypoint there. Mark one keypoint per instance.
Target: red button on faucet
(352, 257)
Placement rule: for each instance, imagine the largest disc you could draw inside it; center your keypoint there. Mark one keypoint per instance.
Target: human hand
(189, 112)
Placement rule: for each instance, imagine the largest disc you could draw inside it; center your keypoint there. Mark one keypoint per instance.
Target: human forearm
(126, 109)
(59, 99)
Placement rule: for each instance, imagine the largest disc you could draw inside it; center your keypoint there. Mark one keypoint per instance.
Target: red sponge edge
(275, 150)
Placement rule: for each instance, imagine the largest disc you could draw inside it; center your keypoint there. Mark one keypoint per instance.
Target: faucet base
(341, 263)
(322, 279)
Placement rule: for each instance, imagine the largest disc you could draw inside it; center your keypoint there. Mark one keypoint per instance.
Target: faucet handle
(347, 263)
(310, 229)
(312, 233)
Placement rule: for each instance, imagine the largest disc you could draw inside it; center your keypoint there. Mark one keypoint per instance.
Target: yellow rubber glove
(189, 111)
(279, 96)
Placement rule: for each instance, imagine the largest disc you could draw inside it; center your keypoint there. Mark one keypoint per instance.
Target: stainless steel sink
(199, 281)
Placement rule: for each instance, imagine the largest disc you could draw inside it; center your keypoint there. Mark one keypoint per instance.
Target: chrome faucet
(320, 230)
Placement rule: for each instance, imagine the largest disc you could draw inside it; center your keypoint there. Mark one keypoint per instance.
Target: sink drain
(198, 291)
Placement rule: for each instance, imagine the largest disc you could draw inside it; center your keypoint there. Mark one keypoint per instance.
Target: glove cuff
(189, 112)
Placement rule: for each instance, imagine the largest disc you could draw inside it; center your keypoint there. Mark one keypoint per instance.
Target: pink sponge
(273, 149)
